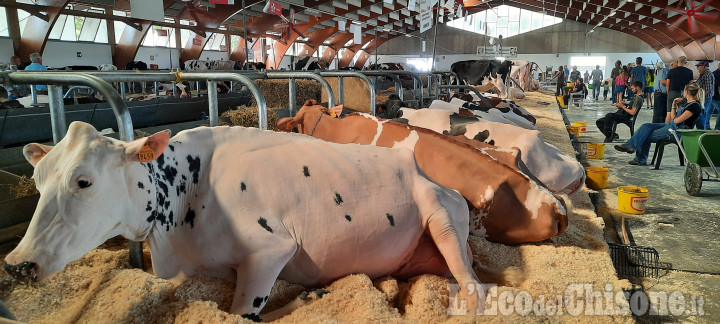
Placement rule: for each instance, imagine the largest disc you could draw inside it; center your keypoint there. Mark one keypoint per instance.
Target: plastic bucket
(595, 150)
(582, 125)
(597, 177)
(573, 130)
(632, 199)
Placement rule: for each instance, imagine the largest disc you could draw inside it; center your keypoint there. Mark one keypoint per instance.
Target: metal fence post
(213, 102)
(292, 89)
(122, 90)
(341, 96)
(57, 112)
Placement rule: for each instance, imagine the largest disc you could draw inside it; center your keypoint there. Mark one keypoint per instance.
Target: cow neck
(151, 171)
(316, 123)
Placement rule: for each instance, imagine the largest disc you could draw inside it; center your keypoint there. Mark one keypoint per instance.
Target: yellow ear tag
(146, 154)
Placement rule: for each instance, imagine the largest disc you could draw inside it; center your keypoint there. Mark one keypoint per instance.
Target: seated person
(677, 118)
(36, 65)
(623, 114)
(579, 87)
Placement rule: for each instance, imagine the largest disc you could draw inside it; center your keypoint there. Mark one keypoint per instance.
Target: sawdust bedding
(101, 288)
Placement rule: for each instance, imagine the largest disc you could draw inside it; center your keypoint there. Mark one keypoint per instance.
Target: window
(420, 63)
(159, 36)
(213, 44)
(504, 20)
(4, 30)
(74, 28)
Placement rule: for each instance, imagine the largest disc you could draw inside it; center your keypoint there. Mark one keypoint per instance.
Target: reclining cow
(508, 205)
(516, 115)
(244, 205)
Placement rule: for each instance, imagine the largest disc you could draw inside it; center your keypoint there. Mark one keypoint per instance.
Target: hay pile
(277, 94)
(100, 288)
(248, 117)
(25, 187)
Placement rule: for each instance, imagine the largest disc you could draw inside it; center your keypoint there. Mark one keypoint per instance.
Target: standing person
(649, 87)
(706, 81)
(597, 77)
(586, 76)
(683, 117)
(660, 107)
(606, 89)
(560, 75)
(575, 74)
(637, 73)
(620, 86)
(567, 74)
(622, 115)
(677, 79)
(613, 74)
(715, 103)
(36, 65)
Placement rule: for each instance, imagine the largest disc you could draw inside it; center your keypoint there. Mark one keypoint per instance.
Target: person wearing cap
(706, 81)
(660, 98)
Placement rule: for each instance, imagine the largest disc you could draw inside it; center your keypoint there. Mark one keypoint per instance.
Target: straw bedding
(248, 117)
(277, 94)
(100, 287)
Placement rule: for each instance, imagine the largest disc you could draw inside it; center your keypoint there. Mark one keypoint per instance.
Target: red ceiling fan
(192, 9)
(290, 24)
(690, 12)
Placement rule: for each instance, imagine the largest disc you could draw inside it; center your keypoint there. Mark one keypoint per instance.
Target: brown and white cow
(508, 204)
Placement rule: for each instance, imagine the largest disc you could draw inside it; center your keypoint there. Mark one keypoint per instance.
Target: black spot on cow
(457, 119)
(391, 219)
(257, 302)
(482, 136)
(456, 130)
(349, 219)
(252, 316)
(194, 167)
(243, 187)
(203, 207)
(266, 298)
(183, 177)
(264, 224)
(401, 120)
(149, 206)
(167, 204)
(152, 216)
(492, 142)
(141, 185)
(171, 218)
(172, 148)
(338, 199)
(190, 217)
(148, 191)
(163, 187)
(168, 172)
(306, 171)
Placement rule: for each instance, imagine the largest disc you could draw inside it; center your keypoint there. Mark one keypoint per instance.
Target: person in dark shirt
(677, 79)
(579, 87)
(613, 74)
(678, 118)
(623, 114)
(560, 75)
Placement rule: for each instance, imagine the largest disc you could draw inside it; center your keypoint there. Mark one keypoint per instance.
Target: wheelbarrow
(701, 150)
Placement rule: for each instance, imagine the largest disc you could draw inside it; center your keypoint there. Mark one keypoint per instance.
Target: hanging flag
(357, 33)
(411, 5)
(341, 25)
(449, 4)
(225, 2)
(459, 12)
(273, 7)
(150, 10)
(426, 15)
(388, 1)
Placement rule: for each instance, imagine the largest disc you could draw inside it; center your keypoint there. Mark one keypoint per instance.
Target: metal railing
(350, 74)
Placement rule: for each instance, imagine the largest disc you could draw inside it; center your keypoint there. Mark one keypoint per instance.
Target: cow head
(86, 197)
(392, 107)
(307, 116)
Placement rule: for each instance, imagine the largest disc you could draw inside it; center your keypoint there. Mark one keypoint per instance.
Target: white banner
(426, 15)
(411, 5)
(150, 10)
(357, 33)
(341, 25)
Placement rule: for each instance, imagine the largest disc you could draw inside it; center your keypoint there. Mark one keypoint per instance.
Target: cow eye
(83, 183)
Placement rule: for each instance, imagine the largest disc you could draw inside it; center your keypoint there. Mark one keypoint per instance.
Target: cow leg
(305, 298)
(256, 275)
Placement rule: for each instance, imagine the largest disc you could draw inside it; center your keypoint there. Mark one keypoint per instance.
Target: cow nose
(24, 270)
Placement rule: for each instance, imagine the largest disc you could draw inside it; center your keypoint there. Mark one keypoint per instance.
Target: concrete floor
(683, 229)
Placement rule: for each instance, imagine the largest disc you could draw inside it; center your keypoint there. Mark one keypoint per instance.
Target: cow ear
(287, 123)
(34, 152)
(147, 149)
(336, 111)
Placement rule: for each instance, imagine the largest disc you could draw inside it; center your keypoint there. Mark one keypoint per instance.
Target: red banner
(162, 32)
(197, 42)
(223, 48)
(226, 2)
(153, 66)
(273, 7)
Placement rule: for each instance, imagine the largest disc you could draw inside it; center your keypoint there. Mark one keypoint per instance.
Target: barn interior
(131, 68)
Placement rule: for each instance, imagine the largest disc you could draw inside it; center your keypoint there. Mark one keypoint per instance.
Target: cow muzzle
(23, 271)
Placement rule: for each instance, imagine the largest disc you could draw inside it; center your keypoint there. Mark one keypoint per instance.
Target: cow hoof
(313, 295)
(23, 271)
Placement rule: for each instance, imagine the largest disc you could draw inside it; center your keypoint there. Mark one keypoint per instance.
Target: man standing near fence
(706, 81)
(678, 78)
(715, 103)
(597, 77)
(660, 108)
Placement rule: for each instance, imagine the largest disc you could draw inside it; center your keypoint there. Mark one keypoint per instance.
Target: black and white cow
(484, 73)
(309, 63)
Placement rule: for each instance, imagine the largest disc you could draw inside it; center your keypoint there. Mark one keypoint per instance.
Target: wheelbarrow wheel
(693, 179)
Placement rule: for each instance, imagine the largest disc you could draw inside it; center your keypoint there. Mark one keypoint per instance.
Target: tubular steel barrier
(351, 74)
(398, 84)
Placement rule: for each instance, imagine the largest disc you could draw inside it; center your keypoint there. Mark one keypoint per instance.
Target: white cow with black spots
(244, 205)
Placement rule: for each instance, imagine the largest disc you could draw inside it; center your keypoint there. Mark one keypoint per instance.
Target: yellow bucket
(597, 177)
(573, 130)
(632, 199)
(582, 125)
(595, 150)
(561, 101)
